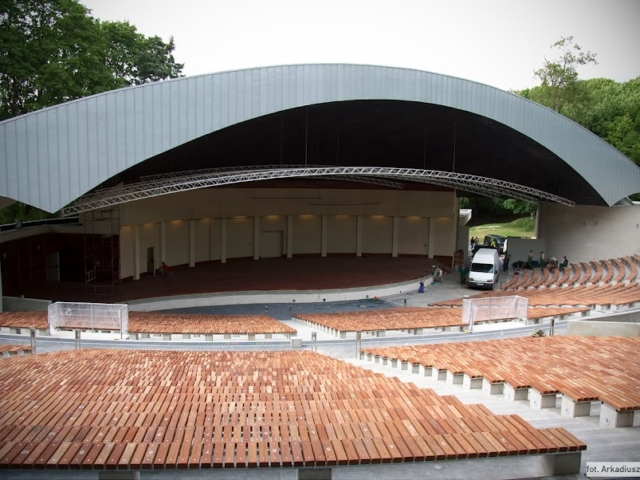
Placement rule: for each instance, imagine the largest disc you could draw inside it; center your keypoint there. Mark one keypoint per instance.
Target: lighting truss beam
(166, 186)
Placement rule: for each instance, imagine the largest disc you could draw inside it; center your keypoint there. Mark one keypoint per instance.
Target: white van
(484, 269)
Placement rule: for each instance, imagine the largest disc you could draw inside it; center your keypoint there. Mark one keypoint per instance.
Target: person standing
(505, 261)
(530, 260)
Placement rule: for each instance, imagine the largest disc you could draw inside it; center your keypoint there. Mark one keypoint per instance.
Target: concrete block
(453, 378)
(571, 409)
(553, 464)
(314, 474)
(424, 371)
(538, 400)
(489, 388)
(438, 374)
(513, 394)
(603, 328)
(469, 383)
(111, 475)
(609, 418)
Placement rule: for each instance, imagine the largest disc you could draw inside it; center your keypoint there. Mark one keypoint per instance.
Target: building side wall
(356, 222)
(589, 233)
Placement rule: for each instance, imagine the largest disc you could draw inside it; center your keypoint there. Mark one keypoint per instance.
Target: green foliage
(560, 89)
(520, 206)
(22, 212)
(524, 227)
(55, 51)
(525, 223)
(607, 108)
(497, 208)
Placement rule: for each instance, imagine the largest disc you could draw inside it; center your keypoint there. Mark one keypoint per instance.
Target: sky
(496, 42)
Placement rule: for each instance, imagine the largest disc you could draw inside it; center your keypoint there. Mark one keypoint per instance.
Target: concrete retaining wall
(585, 233)
(283, 296)
(602, 328)
(17, 304)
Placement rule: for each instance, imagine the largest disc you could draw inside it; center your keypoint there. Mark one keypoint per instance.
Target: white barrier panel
(494, 308)
(89, 316)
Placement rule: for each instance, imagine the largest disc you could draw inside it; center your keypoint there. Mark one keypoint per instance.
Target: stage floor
(298, 273)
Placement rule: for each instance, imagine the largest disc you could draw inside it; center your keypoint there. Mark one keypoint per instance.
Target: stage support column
(192, 243)
(432, 236)
(223, 240)
(289, 236)
(359, 236)
(456, 219)
(394, 238)
(323, 237)
(163, 241)
(211, 244)
(136, 252)
(256, 237)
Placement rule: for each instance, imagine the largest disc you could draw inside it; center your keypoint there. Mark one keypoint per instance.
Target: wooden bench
(561, 371)
(177, 410)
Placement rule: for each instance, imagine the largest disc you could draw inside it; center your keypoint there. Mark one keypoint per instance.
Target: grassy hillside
(522, 227)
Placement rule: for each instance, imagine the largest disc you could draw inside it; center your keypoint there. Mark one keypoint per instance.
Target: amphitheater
(289, 340)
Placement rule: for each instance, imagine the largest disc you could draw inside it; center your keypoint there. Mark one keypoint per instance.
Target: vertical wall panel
(307, 234)
(203, 240)
(341, 234)
(413, 235)
(178, 242)
(66, 173)
(240, 237)
(377, 234)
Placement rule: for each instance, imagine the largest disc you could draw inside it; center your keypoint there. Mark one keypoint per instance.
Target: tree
(559, 77)
(54, 51)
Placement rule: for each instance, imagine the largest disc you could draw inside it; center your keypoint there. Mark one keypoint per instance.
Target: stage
(271, 274)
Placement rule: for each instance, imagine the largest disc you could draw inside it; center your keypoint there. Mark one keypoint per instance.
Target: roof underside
(376, 133)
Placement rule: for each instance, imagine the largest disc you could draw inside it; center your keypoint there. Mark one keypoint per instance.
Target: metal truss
(199, 179)
(206, 171)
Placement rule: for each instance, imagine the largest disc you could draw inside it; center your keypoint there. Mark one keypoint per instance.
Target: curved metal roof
(51, 157)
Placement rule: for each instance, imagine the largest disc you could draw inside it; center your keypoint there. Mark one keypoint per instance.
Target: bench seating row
(411, 318)
(609, 295)
(8, 350)
(168, 323)
(97, 409)
(581, 368)
(615, 270)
